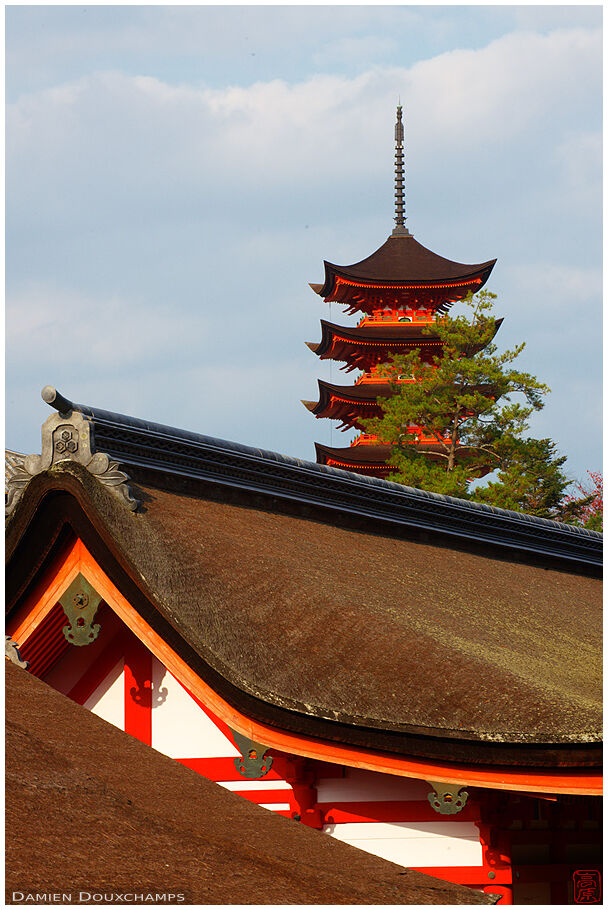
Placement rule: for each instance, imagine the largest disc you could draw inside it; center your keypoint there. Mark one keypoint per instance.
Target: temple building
(399, 290)
(414, 675)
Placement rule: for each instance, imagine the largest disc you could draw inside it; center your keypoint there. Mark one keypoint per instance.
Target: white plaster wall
(180, 728)
(367, 786)
(277, 790)
(440, 843)
(108, 699)
(253, 784)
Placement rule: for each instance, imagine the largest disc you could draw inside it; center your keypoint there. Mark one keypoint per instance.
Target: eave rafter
(360, 295)
(364, 347)
(347, 405)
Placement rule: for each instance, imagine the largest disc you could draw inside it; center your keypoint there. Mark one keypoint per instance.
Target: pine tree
(531, 479)
(475, 405)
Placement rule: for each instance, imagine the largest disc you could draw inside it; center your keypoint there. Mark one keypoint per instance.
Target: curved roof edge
(402, 260)
(142, 443)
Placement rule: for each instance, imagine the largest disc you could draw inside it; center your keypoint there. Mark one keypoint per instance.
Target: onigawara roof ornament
(67, 436)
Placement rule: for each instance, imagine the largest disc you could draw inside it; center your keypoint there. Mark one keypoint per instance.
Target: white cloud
(579, 157)
(499, 90)
(140, 135)
(363, 50)
(558, 286)
(106, 333)
(148, 222)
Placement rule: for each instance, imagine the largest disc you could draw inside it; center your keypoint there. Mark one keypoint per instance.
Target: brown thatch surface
(91, 809)
(362, 637)
(377, 629)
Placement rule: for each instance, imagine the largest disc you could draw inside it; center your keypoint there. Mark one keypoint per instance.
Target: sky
(176, 175)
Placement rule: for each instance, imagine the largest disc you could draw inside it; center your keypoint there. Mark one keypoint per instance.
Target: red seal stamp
(587, 886)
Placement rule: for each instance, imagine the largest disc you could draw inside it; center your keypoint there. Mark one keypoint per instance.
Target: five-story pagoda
(399, 290)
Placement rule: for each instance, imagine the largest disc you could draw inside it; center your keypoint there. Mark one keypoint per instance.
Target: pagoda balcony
(376, 377)
(365, 439)
(397, 317)
(421, 438)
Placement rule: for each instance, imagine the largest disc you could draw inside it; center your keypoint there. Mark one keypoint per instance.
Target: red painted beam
(391, 811)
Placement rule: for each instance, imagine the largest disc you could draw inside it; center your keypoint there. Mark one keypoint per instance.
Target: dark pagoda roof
(363, 456)
(370, 459)
(366, 345)
(347, 402)
(403, 259)
(364, 392)
(371, 343)
(402, 262)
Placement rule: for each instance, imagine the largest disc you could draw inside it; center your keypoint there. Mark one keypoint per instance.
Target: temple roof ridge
(183, 453)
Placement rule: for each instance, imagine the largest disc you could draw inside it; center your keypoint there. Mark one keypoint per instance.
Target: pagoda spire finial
(400, 229)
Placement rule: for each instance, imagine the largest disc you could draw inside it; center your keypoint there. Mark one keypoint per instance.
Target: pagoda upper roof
(402, 262)
(403, 259)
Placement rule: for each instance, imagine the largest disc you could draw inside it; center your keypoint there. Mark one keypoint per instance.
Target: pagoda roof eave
(369, 454)
(390, 338)
(374, 457)
(403, 335)
(348, 404)
(365, 393)
(402, 260)
(333, 271)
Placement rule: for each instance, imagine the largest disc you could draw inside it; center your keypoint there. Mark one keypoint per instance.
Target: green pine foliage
(474, 405)
(530, 479)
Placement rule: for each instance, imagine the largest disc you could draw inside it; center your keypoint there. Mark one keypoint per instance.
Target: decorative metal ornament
(400, 229)
(148, 696)
(12, 652)
(253, 762)
(67, 436)
(447, 799)
(80, 603)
